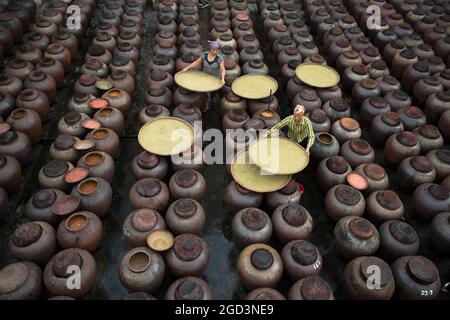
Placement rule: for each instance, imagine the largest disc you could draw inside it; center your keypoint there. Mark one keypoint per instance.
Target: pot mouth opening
(325, 138)
(19, 113)
(77, 222)
(139, 261)
(94, 158)
(88, 186)
(99, 133)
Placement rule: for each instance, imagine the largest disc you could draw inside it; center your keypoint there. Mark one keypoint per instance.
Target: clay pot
(141, 269)
(426, 87)
(259, 265)
(319, 120)
(139, 224)
(269, 103)
(124, 64)
(291, 222)
(71, 124)
(69, 41)
(188, 256)
(439, 232)
(336, 108)
(162, 78)
(189, 288)
(251, 225)
(19, 68)
(310, 288)
(430, 199)
(309, 99)
(412, 117)
(39, 207)
(158, 96)
(27, 52)
(81, 230)
(397, 239)
(95, 195)
(30, 288)
(100, 164)
(301, 259)
(11, 22)
(400, 146)
(86, 85)
(346, 129)
(332, 171)
(401, 60)
(7, 104)
(436, 104)
(355, 236)
(17, 145)
(34, 100)
(440, 161)
(27, 121)
(357, 151)
(238, 198)
(33, 241)
(44, 82)
(347, 59)
(10, 85)
(10, 174)
(105, 140)
(185, 216)
(383, 126)
(232, 102)
(58, 52)
(62, 149)
(343, 200)
(357, 273)
(429, 138)
(384, 205)
(288, 194)
(375, 175)
(149, 193)
(387, 83)
(414, 275)
(234, 119)
(56, 273)
(147, 165)
(364, 89)
(6, 40)
(52, 175)
(183, 96)
(264, 294)
(152, 112)
(122, 80)
(325, 145)
(187, 184)
(326, 94)
(413, 171)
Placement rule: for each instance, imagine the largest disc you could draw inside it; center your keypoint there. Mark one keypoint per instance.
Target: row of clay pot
(142, 269)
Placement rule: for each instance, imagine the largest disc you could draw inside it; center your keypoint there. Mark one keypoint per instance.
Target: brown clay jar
(291, 221)
(148, 165)
(288, 194)
(33, 241)
(346, 129)
(414, 275)
(364, 89)
(56, 275)
(10, 85)
(259, 265)
(39, 206)
(269, 103)
(100, 164)
(189, 288)
(356, 236)
(95, 195)
(375, 175)
(69, 41)
(81, 230)
(309, 99)
(428, 137)
(326, 94)
(440, 159)
(17, 145)
(29, 289)
(106, 140)
(401, 60)
(185, 216)
(332, 171)
(124, 64)
(436, 104)
(425, 87)
(7, 104)
(237, 197)
(52, 175)
(234, 119)
(122, 80)
(158, 95)
(311, 288)
(325, 145)
(413, 171)
(149, 193)
(188, 257)
(336, 108)
(11, 22)
(52, 67)
(139, 224)
(110, 118)
(251, 225)
(58, 52)
(319, 120)
(39, 80)
(371, 107)
(71, 124)
(357, 151)
(85, 85)
(28, 122)
(151, 112)
(343, 200)
(10, 174)
(397, 99)
(413, 73)
(264, 294)
(99, 53)
(383, 205)
(6, 40)
(397, 239)
(19, 68)
(388, 83)
(430, 199)
(63, 149)
(353, 75)
(301, 259)
(412, 117)
(162, 78)
(187, 184)
(400, 146)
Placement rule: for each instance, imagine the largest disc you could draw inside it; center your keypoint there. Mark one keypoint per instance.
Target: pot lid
(347, 195)
(254, 219)
(304, 253)
(337, 164)
(63, 260)
(360, 146)
(357, 181)
(295, 215)
(422, 270)
(314, 288)
(160, 240)
(76, 175)
(261, 259)
(189, 289)
(402, 232)
(13, 276)
(144, 220)
(185, 208)
(421, 164)
(55, 168)
(66, 205)
(389, 200)
(148, 187)
(26, 234)
(361, 228)
(187, 247)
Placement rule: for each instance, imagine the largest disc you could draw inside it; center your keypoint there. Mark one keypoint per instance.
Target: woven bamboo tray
(254, 86)
(317, 75)
(198, 81)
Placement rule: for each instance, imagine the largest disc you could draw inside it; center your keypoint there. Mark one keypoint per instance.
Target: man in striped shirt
(300, 127)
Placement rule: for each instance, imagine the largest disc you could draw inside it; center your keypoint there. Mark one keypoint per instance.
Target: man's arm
(311, 136)
(280, 124)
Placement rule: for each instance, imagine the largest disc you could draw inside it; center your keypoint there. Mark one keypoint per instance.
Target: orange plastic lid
(357, 181)
(160, 240)
(4, 127)
(66, 205)
(98, 103)
(91, 124)
(76, 175)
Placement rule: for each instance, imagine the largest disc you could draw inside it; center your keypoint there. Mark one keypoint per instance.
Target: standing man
(300, 127)
(212, 63)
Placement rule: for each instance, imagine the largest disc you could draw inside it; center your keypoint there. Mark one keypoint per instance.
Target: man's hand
(222, 81)
(307, 152)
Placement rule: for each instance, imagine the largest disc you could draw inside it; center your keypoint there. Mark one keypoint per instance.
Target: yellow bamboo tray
(166, 136)
(252, 178)
(160, 240)
(254, 86)
(278, 155)
(198, 81)
(317, 75)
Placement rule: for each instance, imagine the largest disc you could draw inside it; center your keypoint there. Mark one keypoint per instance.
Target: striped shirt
(297, 131)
